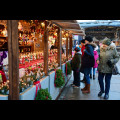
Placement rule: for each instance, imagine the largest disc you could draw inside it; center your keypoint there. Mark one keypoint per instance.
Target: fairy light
(43, 24)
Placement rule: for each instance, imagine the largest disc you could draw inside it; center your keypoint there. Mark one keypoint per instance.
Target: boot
(87, 89)
(83, 89)
(93, 77)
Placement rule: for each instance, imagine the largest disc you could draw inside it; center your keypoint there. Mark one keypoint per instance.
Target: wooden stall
(37, 38)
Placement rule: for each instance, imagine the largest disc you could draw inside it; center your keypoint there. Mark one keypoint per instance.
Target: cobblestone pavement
(70, 93)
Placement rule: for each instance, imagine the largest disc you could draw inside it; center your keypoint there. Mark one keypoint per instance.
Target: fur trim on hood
(93, 44)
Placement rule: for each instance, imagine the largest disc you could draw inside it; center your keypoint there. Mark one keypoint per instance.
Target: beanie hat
(107, 42)
(89, 38)
(77, 49)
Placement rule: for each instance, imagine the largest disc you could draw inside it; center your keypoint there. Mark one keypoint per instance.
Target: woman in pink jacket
(95, 65)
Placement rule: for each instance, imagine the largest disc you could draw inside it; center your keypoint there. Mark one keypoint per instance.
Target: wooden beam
(59, 58)
(81, 34)
(76, 30)
(13, 55)
(67, 48)
(46, 49)
(70, 50)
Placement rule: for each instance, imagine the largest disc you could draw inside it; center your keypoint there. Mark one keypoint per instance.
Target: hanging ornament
(20, 26)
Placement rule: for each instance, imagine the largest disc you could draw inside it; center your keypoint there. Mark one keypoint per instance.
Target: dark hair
(0, 67)
(89, 38)
(83, 41)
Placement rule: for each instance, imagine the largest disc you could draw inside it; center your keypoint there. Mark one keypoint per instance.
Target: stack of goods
(30, 75)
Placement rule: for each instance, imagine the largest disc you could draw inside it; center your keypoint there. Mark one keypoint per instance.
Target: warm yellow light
(4, 32)
(43, 24)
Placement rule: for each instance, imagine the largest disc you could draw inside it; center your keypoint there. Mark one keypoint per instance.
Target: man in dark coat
(88, 62)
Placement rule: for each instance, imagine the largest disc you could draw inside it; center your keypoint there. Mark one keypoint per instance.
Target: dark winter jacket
(88, 57)
(76, 61)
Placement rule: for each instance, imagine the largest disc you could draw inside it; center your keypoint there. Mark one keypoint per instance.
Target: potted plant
(43, 94)
(59, 80)
(68, 69)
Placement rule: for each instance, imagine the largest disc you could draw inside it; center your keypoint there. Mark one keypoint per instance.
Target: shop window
(4, 72)
(31, 52)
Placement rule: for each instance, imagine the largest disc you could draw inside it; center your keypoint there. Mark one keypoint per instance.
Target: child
(76, 64)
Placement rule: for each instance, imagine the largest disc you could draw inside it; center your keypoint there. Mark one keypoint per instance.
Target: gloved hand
(109, 63)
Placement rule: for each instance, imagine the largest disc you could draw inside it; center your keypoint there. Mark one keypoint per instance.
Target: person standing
(87, 62)
(95, 65)
(107, 59)
(76, 64)
(82, 50)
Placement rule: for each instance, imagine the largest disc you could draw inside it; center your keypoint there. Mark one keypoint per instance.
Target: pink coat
(95, 57)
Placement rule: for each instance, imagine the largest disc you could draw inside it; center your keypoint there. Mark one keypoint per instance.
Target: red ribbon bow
(38, 84)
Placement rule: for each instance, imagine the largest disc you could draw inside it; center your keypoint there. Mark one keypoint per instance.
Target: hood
(111, 47)
(93, 44)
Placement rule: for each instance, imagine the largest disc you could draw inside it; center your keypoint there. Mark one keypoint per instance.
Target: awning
(70, 25)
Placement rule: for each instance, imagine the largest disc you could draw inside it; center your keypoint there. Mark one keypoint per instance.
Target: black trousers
(76, 81)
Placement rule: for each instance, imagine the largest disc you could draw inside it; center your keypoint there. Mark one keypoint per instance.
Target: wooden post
(67, 48)
(13, 55)
(70, 50)
(59, 58)
(46, 49)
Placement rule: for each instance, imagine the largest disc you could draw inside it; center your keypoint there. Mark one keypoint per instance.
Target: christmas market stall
(35, 58)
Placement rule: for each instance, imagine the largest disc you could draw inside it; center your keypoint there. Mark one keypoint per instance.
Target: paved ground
(71, 93)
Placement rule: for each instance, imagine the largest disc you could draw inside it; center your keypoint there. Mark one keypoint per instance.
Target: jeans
(107, 81)
(86, 74)
(76, 81)
(93, 71)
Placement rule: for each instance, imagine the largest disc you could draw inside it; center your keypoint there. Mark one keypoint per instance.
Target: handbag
(115, 70)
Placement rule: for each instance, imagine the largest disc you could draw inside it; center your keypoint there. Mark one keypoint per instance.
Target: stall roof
(71, 25)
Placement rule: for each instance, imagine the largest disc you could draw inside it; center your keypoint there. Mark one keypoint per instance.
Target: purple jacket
(3, 55)
(95, 57)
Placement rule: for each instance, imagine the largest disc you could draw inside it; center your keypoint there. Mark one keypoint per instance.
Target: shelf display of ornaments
(29, 57)
(30, 75)
(52, 64)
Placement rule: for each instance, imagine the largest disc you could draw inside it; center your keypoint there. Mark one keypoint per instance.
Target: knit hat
(89, 38)
(106, 42)
(77, 49)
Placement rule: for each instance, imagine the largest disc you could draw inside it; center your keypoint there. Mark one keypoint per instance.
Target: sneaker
(100, 94)
(106, 97)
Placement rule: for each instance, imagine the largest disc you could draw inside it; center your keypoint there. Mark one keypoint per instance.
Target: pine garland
(60, 80)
